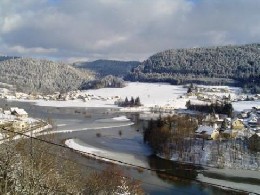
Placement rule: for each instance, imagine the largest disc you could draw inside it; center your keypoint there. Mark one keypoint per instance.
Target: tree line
(106, 82)
(168, 135)
(219, 108)
(133, 102)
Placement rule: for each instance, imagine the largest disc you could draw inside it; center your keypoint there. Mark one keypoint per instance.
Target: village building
(212, 120)
(7, 112)
(20, 125)
(245, 114)
(18, 112)
(207, 132)
(253, 121)
(256, 109)
(237, 124)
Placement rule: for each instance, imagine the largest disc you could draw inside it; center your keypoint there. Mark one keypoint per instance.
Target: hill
(214, 65)
(42, 76)
(109, 67)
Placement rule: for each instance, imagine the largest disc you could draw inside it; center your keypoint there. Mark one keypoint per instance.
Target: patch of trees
(106, 82)
(235, 65)
(219, 108)
(168, 135)
(42, 76)
(36, 167)
(133, 102)
(109, 67)
(254, 143)
(112, 180)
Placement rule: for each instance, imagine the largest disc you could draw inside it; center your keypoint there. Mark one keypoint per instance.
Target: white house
(20, 125)
(18, 112)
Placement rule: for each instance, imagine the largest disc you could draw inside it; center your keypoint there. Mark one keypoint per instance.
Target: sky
(86, 30)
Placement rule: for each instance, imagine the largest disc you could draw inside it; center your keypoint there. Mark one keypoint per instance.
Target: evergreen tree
(189, 90)
(126, 103)
(132, 102)
(137, 102)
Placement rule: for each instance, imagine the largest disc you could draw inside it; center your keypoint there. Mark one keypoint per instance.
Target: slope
(219, 65)
(42, 76)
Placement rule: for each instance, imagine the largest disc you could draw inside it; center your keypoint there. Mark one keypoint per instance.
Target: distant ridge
(3, 58)
(212, 65)
(42, 76)
(109, 67)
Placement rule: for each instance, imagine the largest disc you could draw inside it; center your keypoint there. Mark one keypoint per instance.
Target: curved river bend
(107, 133)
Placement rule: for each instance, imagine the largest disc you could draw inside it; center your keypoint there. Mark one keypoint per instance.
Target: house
(237, 124)
(244, 114)
(20, 125)
(18, 112)
(3, 121)
(252, 122)
(256, 109)
(7, 112)
(207, 132)
(212, 120)
(238, 128)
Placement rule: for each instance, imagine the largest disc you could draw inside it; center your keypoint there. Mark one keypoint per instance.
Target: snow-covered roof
(253, 119)
(7, 112)
(205, 129)
(12, 109)
(21, 112)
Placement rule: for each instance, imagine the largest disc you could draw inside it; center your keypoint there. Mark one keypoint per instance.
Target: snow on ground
(243, 105)
(150, 94)
(61, 125)
(114, 120)
(121, 118)
(78, 145)
(85, 129)
(229, 184)
(33, 133)
(7, 117)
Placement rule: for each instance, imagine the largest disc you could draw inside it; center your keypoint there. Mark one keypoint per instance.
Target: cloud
(35, 50)
(128, 29)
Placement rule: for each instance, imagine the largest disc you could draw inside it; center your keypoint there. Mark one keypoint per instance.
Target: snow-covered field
(151, 94)
(243, 105)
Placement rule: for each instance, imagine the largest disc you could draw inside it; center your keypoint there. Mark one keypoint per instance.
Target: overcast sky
(122, 29)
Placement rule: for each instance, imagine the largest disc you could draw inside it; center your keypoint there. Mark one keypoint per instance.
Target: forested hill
(214, 64)
(109, 67)
(43, 76)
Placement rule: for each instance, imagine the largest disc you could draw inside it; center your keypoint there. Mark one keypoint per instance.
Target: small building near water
(20, 125)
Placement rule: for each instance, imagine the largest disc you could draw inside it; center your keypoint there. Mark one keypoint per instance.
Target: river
(95, 127)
